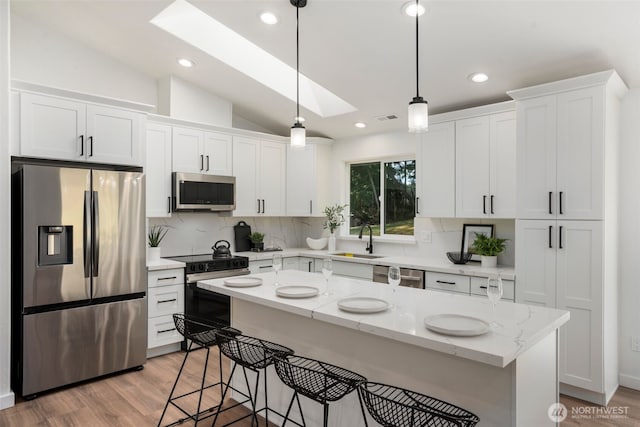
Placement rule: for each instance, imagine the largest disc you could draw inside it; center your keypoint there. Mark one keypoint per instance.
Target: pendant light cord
(297, 65)
(417, 68)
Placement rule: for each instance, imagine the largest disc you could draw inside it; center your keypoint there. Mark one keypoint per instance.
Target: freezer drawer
(67, 346)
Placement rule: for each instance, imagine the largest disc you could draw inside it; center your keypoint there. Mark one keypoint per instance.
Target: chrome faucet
(370, 245)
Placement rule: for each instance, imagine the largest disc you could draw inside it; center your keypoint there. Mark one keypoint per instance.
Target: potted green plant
(155, 236)
(257, 241)
(335, 218)
(488, 248)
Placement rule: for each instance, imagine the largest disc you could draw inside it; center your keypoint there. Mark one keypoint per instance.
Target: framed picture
(469, 232)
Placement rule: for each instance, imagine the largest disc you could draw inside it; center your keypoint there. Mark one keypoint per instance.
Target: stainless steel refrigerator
(79, 275)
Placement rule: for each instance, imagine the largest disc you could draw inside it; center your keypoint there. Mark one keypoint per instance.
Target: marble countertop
(163, 264)
(435, 264)
(518, 328)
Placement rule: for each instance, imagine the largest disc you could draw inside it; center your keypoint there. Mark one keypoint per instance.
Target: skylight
(195, 27)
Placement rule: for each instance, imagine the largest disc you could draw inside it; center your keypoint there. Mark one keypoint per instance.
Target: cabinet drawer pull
(445, 283)
(167, 278)
(166, 330)
(265, 266)
(81, 145)
(167, 300)
(483, 287)
(484, 204)
(550, 197)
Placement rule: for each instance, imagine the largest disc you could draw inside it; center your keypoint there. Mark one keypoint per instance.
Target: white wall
(239, 122)
(629, 217)
(446, 233)
(180, 99)
(6, 396)
(39, 55)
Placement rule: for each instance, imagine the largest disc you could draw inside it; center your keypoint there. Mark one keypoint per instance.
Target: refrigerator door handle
(95, 236)
(87, 234)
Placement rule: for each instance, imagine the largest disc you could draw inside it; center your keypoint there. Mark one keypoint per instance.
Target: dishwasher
(409, 277)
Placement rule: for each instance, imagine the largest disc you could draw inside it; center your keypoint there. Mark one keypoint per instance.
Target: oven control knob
(192, 268)
(202, 267)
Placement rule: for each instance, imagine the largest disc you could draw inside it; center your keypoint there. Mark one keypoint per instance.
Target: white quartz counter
(163, 264)
(442, 265)
(519, 328)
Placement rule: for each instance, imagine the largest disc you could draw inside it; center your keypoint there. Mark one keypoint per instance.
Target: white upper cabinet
(561, 155)
(259, 168)
(436, 169)
(485, 166)
(197, 151)
(308, 180)
(158, 170)
(64, 129)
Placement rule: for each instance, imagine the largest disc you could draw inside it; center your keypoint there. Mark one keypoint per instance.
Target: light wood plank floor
(136, 399)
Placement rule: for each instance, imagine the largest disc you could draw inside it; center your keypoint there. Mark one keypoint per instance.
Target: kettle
(220, 250)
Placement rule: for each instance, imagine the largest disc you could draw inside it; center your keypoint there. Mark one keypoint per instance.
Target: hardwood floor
(136, 399)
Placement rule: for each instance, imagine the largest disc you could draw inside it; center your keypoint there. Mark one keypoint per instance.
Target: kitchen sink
(350, 255)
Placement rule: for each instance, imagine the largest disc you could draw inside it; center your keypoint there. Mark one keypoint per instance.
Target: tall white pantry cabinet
(566, 224)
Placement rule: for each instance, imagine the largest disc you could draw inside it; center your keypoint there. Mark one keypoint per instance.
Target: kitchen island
(508, 377)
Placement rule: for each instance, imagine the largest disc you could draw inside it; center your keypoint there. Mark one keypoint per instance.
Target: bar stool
(319, 381)
(254, 354)
(201, 336)
(396, 407)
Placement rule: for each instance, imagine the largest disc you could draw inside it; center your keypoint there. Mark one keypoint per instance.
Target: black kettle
(220, 250)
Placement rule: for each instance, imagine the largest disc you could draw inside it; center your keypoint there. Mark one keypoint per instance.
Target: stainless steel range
(202, 305)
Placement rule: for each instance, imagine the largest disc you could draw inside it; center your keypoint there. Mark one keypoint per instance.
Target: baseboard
(629, 381)
(7, 400)
(583, 394)
(165, 349)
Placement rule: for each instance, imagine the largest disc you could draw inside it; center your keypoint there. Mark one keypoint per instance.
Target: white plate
(363, 305)
(297, 291)
(243, 282)
(456, 324)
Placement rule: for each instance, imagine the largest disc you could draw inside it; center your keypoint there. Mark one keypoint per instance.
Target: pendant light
(418, 107)
(298, 132)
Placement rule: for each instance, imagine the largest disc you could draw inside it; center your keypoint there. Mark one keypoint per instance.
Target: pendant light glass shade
(418, 115)
(298, 136)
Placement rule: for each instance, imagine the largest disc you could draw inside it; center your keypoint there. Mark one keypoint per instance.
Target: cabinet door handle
(263, 204)
(550, 197)
(560, 204)
(445, 283)
(81, 145)
(310, 262)
(167, 300)
(207, 163)
(550, 232)
(167, 278)
(258, 205)
(560, 237)
(310, 209)
(491, 204)
(201, 162)
(417, 205)
(169, 204)
(484, 204)
(91, 146)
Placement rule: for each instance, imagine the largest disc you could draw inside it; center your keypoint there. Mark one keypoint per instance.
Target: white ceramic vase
(332, 242)
(153, 254)
(489, 261)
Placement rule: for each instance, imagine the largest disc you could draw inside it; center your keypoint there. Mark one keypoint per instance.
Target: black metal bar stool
(200, 336)
(256, 355)
(319, 381)
(396, 407)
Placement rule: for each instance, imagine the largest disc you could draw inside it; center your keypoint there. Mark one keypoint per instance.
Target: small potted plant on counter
(488, 248)
(257, 241)
(156, 234)
(335, 218)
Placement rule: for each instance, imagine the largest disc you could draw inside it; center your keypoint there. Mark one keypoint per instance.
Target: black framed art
(469, 232)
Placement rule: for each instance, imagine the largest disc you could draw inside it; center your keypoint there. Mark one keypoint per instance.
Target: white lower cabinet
(352, 269)
(165, 297)
(561, 264)
(479, 288)
(468, 285)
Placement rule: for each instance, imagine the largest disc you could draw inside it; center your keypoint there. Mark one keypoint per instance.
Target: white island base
(508, 377)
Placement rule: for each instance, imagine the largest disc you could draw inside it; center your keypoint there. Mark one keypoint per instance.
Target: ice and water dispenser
(55, 244)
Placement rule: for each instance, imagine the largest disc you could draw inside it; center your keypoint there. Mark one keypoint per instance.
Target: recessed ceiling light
(268, 18)
(299, 119)
(478, 77)
(410, 9)
(360, 125)
(187, 63)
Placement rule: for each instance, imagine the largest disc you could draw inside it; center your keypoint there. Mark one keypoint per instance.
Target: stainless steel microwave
(198, 192)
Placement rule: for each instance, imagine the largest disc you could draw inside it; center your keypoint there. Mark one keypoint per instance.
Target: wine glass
(277, 266)
(494, 293)
(327, 271)
(393, 276)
